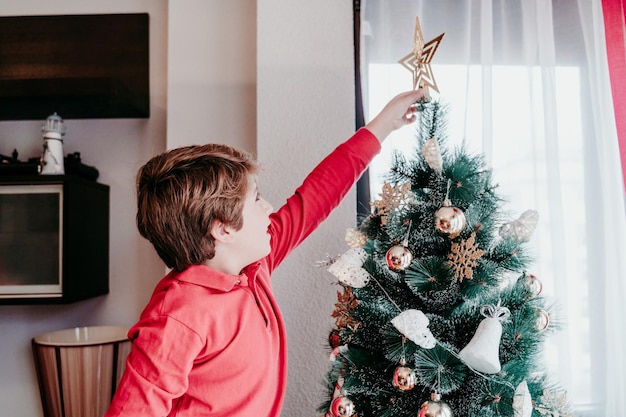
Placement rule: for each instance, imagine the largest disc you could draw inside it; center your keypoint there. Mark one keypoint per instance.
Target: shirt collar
(211, 278)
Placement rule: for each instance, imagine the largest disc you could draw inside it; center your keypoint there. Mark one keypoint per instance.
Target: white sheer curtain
(527, 85)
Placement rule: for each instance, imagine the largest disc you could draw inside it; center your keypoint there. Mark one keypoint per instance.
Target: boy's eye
(258, 197)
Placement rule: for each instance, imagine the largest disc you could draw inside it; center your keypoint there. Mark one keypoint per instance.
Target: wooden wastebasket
(78, 369)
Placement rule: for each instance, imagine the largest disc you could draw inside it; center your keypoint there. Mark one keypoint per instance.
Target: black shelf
(33, 236)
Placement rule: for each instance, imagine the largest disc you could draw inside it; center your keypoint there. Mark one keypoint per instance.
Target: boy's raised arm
(397, 113)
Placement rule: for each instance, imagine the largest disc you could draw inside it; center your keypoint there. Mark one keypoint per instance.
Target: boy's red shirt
(213, 344)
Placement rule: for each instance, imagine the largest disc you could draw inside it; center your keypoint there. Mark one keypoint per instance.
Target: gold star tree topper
(418, 61)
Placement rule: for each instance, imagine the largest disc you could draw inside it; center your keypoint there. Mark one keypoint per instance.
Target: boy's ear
(221, 232)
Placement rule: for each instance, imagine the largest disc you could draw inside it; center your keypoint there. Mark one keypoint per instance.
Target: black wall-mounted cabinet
(79, 66)
(54, 239)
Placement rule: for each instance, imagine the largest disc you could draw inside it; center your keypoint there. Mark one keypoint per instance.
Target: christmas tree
(438, 314)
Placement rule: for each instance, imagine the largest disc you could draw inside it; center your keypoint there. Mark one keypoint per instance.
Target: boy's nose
(268, 206)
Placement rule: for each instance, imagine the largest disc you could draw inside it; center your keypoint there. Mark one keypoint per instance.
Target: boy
(211, 341)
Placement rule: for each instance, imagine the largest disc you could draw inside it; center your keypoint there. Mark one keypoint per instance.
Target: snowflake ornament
(393, 197)
(346, 302)
(355, 238)
(463, 258)
(554, 404)
(522, 228)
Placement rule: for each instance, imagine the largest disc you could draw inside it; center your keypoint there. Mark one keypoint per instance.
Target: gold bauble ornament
(342, 407)
(404, 378)
(450, 220)
(542, 321)
(533, 285)
(398, 258)
(435, 408)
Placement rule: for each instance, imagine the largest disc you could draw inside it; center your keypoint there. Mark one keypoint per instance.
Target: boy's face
(253, 239)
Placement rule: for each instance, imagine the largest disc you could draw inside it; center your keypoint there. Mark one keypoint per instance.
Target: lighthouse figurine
(52, 158)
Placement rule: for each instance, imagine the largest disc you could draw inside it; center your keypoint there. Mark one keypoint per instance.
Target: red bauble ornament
(334, 339)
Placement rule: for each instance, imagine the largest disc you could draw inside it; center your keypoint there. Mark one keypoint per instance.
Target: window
(527, 94)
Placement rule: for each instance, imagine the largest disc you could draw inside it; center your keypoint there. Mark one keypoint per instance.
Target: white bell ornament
(482, 352)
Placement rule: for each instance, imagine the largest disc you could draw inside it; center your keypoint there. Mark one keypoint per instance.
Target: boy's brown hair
(180, 193)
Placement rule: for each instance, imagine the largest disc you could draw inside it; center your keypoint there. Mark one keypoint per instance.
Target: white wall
(116, 147)
(305, 96)
(211, 90)
(274, 77)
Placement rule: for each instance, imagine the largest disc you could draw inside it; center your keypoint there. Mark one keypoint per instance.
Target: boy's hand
(398, 112)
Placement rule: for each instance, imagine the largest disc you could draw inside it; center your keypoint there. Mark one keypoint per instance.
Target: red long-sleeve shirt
(213, 344)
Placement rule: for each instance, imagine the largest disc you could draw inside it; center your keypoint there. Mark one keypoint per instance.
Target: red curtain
(615, 31)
